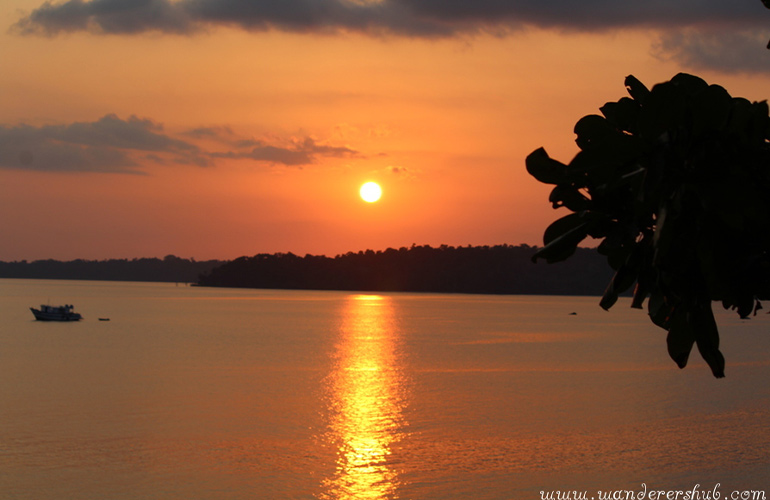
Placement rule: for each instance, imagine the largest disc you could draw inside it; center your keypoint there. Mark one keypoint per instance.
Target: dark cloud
(109, 144)
(298, 153)
(106, 16)
(112, 144)
(728, 24)
(215, 133)
(406, 17)
(729, 52)
(110, 131)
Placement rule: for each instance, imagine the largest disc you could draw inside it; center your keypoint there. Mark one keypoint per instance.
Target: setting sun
(370, 192)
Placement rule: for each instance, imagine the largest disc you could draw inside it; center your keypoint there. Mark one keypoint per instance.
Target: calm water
(194, 393)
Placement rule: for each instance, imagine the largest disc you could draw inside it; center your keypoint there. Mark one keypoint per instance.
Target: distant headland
(499, 269)
(169, 269)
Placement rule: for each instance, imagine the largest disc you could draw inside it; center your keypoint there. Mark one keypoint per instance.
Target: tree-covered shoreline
(500, 269)
(168, 269)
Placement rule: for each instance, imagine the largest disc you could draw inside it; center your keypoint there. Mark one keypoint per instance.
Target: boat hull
(55, 315)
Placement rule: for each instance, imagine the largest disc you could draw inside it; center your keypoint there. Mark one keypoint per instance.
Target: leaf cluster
(675, 181)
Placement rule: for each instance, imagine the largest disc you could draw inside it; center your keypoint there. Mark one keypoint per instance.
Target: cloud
(403, 172)
(304, 152)
(215, 133)
(723, 23)
(106, 16)
(112, 144)
(421, 18)
(109, 144)
(728, 52)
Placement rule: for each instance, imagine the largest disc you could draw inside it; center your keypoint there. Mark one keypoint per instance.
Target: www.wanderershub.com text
(644, 493)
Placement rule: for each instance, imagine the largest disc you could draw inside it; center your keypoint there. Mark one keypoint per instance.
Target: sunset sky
(220, 128)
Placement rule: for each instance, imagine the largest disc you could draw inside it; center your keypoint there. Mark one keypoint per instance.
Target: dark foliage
(501, 269)
(675, 180)
(170, 268)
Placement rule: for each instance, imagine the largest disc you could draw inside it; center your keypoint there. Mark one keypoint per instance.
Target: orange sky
(443, 124)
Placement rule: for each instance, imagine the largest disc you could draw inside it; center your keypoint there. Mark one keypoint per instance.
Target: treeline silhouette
(500, 269)
(171, 268)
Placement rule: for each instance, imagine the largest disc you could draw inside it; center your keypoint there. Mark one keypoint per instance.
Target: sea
(168, 391)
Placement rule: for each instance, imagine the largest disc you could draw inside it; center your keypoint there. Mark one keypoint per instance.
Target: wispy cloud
(296, 153)
(112, 144)
(739, 51)
(692, 31)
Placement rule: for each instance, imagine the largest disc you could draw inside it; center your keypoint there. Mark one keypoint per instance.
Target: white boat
(56, 313)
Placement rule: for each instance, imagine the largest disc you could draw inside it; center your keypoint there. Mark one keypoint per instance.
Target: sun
(370, 192)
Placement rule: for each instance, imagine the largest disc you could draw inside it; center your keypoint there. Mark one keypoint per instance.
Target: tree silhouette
(675, 181)
(499, 269)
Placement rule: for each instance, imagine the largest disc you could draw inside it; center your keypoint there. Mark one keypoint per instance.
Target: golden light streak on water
(366, 399)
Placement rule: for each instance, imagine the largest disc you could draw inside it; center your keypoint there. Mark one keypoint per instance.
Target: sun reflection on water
(366, 398)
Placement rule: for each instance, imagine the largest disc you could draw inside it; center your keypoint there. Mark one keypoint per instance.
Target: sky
(213, 129)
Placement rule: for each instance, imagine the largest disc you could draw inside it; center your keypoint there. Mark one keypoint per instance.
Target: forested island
(169, 269)
(500, 269)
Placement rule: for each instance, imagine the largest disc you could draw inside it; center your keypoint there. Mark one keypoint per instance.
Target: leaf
(660, 310)
(646, 275)
(740, 116)
(569, 196)
(623, 114)
(593, 131)
(545, 169)
(680, 338)
(622, 280)
(707, 339)
(562, 237)
(760, 121)
(636, 89)
(610, 296)
(745, 304)
(711, 108)
(641, 290)
(664, 113)
(691, 83)
(561, 227)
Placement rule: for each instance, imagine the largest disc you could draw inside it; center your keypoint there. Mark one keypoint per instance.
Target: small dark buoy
(104, 319)
(573, 314)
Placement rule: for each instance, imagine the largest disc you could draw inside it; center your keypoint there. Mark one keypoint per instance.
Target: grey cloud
(289, 153)
(134, 133)
(300, 153)
(270, 154)
(214, 133)
(729, 52)
(725, 24)
(109, 144)
(407, 17)
(310, 146)
(105, 16)
(590, 14)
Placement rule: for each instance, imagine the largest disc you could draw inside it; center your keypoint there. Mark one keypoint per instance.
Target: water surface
(196, 393)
